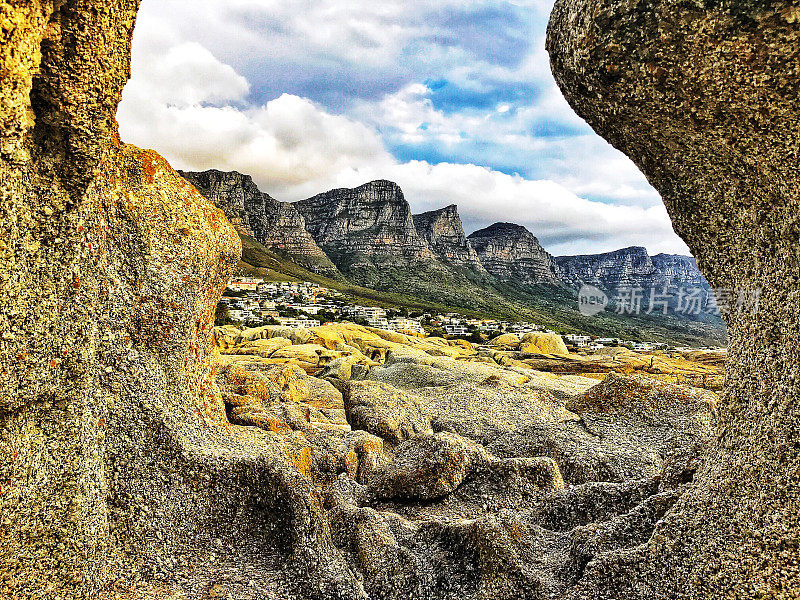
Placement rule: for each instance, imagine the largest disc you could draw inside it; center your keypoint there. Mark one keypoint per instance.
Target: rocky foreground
(452, 471)
(141, 463)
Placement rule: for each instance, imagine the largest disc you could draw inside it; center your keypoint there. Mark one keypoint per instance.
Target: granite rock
(443, 232)
(703, 97)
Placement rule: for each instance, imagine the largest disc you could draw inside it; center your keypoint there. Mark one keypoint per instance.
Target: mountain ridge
(369, 236)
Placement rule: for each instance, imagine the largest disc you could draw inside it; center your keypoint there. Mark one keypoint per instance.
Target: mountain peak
(501, 228)
(442, 230)
(512, 253)
(276, 225)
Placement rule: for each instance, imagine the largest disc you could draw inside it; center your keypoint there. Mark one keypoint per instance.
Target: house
(244, 284)
(298, 322)
(378, 322)
(400, 323)
(576, 340)
(455, 330)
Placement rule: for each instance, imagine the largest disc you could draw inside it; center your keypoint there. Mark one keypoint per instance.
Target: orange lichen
(301, 460)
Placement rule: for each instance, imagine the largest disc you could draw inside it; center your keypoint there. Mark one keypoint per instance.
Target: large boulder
(705, 98)
(385, 411)
(543, 343)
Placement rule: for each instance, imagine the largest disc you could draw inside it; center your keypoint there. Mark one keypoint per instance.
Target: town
(252, 302)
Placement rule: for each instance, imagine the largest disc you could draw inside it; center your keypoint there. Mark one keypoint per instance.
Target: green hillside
(551, 306)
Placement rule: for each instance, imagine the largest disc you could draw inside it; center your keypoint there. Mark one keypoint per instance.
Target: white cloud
(194, 108)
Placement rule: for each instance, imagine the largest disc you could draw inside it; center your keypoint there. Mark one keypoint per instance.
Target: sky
(452, 100)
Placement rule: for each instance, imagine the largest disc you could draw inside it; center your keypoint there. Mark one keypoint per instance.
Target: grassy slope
(545, 305)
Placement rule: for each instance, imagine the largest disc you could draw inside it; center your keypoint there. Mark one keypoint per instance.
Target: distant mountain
(443, 232)
(513, 254)
(370, 221)
(371, 236)
(367, 236)
(630, 267)
(276, 225)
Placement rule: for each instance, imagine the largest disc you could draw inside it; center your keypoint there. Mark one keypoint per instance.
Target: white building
(455, 330)
(298, 322)
(400, 323)
(577, 340)
(378, 323)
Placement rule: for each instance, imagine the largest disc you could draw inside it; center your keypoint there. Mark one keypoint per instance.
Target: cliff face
(513, 254)
(677, 270)
(277, 225)
(630, 267)
(704, 98)
(372, 220)
(369, 234)
(443, 232)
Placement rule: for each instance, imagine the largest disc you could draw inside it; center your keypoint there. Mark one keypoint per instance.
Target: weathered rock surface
(631, 267)
(704, 99)
(513, 254)
(277, 225)
(385, 411)
(121, 477)
(443, 232)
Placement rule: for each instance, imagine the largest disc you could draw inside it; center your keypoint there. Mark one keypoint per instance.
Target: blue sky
(453, 100)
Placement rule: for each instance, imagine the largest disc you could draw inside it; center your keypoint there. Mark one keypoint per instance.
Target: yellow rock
(308, 353)
(263, 347)
(543, 343)
(507, 340)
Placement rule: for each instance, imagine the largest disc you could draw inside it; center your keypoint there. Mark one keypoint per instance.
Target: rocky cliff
(705, 98)
(277, 225)
(373, 219)
(443, 232)
(630, 267)
(368, 232)
(513, 254)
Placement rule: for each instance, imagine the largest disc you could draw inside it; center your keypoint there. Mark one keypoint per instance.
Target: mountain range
(368, 236)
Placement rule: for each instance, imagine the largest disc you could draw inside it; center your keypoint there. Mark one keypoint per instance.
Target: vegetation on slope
(466, 293)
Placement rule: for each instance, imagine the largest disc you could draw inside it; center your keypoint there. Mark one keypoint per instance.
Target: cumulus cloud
(464, 138)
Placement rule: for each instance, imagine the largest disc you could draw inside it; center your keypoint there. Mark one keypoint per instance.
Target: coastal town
(251, 302)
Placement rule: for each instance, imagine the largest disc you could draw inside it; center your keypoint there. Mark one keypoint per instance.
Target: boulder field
(447, 474)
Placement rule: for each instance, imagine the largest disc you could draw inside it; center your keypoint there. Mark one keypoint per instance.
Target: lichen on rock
(703, 97)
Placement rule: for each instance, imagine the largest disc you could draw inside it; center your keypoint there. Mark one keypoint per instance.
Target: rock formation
(277, 225)
(513, 254)
(364, 227)
(703, 97)
(630, 267)
(140, 463)
(121, 475)
(443, 232)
